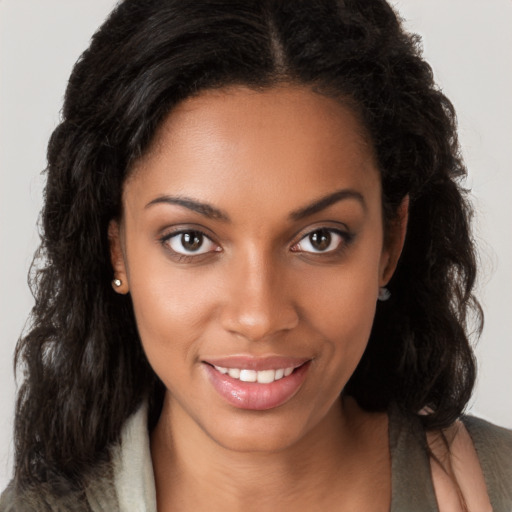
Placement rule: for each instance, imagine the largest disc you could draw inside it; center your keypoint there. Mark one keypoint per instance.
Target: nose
(260, 303)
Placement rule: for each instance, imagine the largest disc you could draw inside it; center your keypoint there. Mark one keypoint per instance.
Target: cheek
(344, 323)
(341, 306)
(171, 309)
(344, 317)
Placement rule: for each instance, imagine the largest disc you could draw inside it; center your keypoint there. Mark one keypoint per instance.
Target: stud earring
(117, 283)
(384, 294)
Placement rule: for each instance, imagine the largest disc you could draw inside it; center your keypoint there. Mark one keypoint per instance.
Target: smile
(248, 383)
(262, 376)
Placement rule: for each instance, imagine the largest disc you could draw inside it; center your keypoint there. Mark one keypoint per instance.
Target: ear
(120, 280)
(394, 242)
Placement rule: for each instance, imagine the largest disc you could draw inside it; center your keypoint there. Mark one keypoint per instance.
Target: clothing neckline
(411, 479)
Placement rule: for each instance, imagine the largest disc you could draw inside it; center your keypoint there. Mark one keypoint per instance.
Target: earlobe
(120, 280)
(395, 239)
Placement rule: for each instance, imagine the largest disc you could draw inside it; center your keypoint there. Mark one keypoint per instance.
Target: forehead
(286, 144)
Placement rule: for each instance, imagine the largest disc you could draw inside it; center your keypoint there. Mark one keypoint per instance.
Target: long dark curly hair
(84, 371)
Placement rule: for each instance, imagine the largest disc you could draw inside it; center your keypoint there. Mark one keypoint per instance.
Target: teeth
(234, 372)
(262, 377)
(266, 376)
(248, 376)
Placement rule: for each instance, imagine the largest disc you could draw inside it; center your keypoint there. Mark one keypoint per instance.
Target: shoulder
(472, 463)
(493, 444)
(491, 441)
(41, 498)
(121, 477)
(94, 493)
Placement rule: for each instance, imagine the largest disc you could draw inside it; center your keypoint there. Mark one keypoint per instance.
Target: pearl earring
(384, 294)
(117, 283)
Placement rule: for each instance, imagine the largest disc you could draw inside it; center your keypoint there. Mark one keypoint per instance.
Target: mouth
(257, 384)
(261, 376)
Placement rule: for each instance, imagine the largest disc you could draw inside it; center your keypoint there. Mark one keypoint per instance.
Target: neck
(193, 472)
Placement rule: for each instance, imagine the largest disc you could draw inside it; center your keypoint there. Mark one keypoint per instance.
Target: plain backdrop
(467, 42)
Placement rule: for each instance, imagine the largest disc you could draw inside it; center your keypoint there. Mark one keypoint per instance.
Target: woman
(256, 273)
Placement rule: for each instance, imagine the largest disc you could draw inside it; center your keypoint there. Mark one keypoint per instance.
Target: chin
(258, 432)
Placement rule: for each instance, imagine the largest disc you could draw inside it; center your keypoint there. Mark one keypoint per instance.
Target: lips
(257, 383)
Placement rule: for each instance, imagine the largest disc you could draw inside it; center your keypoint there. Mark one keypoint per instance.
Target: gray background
(468, 43)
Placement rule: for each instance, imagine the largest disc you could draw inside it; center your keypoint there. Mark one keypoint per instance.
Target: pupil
(320, 239)
(192, 240)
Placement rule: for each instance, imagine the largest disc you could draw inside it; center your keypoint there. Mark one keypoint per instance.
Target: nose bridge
(258, 304)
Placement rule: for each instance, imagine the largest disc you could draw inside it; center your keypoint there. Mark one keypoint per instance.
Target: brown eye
(321, 241)
(190, 243)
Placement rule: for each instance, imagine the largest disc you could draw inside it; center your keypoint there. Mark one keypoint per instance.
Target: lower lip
(256, 396)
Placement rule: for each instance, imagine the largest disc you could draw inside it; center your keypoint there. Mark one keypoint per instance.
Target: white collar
(133, 469)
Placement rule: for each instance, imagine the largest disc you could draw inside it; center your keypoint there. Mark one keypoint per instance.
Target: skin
(258, 287)
(456, 472)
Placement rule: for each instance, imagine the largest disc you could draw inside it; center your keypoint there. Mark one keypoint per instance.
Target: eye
(321, 241)
(190, 243)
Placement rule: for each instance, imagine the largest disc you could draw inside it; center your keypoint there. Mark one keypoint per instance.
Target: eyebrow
(326, 201)
(211, 212)
(204, 209)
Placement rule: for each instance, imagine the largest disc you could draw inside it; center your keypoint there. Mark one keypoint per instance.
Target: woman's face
(251, 243)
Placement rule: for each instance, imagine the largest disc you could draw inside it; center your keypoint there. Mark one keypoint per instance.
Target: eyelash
(193, 256)
(345, 239)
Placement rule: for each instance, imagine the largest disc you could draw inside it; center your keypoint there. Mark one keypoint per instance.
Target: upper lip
(257, 363)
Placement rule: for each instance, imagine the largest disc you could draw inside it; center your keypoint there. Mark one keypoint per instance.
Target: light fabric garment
(133, 473)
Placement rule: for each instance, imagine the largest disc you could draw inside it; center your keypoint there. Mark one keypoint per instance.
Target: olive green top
(412, 487)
